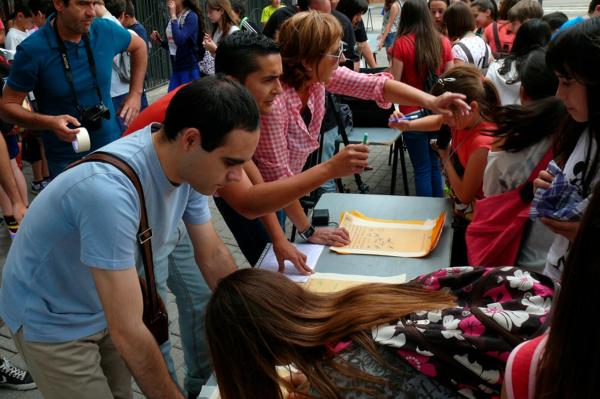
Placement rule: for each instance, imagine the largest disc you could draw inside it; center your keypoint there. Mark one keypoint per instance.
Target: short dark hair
(46, 7)
(239, 7)
(20, 7)
(116, 7)
(459, 20)
(555, 19)
(236, 55)
(215, 105)
(593, 5)
(350, 8)
(130, 8)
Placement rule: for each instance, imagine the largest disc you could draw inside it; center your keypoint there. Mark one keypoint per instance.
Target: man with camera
(67, 64)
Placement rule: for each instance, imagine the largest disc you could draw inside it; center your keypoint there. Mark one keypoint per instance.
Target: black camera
(91, 118)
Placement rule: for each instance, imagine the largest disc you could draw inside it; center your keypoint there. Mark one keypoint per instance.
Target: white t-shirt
(478, 49)
(508, 85)
(218, 33)
(13, 38)
(573, 171)
(117, 86)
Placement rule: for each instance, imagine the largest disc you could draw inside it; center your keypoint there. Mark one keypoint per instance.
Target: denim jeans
(329, 138)
(176, 268)
(426, 165)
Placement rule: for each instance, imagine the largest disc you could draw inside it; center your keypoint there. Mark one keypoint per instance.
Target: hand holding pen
(400, 121)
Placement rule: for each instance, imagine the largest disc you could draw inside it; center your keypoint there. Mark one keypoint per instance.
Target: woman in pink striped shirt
(311, 50)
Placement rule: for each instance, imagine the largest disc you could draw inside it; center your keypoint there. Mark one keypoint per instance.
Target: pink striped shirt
(285, 140)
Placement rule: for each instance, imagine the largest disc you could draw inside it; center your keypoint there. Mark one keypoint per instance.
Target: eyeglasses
(339, 53)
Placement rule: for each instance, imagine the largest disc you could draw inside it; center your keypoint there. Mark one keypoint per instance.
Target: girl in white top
(22, 27)
(468, 47)
(532, 35)
(525, 134)
(578, 154)
(224, 22)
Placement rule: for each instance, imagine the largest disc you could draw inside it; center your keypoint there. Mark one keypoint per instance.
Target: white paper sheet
(312, 252)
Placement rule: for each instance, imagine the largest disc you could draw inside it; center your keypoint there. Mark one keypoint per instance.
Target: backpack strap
(526, 189)
(466, 51)
(486, 57)
(496, 37)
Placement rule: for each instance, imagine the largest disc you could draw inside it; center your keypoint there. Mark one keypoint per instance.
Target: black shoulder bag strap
(154, 316)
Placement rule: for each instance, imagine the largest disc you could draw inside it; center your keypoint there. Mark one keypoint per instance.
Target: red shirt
(404, 50)
(505, 34)
(466, 142)
(154, 113)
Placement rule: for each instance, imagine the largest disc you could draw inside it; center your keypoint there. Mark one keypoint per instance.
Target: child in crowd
(269, 10)
(555, 20)
(498, 34)
(523, 11)
(504, 73)
(485, 12)
(224, 22)
(22, 25)
(563, 363)
(389, 25)
(437, 8)
(578, 157)
(184, 34)
(524, 135)
(468, 47)
(464, 162)
(12, 145)
(419, 50)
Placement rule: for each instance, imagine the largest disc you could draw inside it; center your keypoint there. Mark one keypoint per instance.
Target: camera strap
(67, 65)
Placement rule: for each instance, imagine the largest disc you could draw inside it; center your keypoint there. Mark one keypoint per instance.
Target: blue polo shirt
(87, 218)
(38, 67)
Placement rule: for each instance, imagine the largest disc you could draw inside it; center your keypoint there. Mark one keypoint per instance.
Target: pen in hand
(405, 118)
(365, 140)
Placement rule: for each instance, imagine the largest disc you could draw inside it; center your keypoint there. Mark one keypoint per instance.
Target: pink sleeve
(521, 368)
(360, 85)
(1, 25)
(271, 155)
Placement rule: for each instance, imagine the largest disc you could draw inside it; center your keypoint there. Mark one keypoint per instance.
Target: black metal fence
(153, 15)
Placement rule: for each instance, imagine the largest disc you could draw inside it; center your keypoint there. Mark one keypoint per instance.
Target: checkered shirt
(561, 201)
(285, 140)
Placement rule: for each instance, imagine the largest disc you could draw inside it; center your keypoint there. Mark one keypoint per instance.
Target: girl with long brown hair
(257, 320)
(224, 22)
(418, 52)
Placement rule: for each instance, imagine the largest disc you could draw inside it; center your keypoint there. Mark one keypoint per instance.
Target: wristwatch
(306, 234)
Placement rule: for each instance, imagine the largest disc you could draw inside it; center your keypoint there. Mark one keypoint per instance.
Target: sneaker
(12, 227)
(14, 378)
(37, 187)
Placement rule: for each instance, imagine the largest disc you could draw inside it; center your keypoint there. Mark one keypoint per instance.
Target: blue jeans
(426, 165)
(176, 268)
(329, 138)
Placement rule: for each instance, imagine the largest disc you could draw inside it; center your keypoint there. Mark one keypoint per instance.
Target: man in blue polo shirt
(66, 100)
(70, 293)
